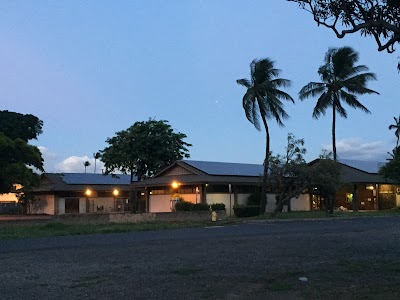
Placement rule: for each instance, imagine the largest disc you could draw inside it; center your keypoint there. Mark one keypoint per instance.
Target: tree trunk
(355, 198)
(334, 131)
(285, 200)
(263, 202)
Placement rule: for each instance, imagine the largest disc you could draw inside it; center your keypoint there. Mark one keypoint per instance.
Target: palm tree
(86, 164)
(96, 156)
(396, 126)
(342, 80)
(263, 99)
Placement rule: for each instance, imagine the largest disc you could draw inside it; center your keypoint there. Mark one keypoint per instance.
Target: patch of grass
(60, 229)
(184, 271)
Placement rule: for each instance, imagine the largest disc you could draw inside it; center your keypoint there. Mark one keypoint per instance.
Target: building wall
(44, 205)
(102, 204)
(300, 203)
(10, 197)
(160, 203)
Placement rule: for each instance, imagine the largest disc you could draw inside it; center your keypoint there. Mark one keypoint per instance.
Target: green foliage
(377, 18)
(18, 126)
(144, 148)
(254, 199)
(183, 205)
(18, 159)
(391, 169)
(245, 211)
(217, 206)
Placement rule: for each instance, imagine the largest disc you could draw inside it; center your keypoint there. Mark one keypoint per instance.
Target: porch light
(88, 192)
(175, 185)
(370, 187)
(115, 192)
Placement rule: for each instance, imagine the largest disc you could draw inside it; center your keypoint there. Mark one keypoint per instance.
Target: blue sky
(91, 68)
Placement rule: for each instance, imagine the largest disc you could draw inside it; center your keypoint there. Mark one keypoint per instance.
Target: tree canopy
(377, 18)
(144, 148)
(342, 82)
(18, 159)
(16, 125)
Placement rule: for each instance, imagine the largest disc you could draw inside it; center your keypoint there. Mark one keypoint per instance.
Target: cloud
(355, 148)
(75, 164)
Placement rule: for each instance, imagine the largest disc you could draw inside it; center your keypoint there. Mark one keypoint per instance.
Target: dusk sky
(91, 68)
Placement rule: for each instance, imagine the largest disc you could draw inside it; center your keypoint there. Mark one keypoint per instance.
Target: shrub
(200, 207)
(254, 199)
(244, 211)
(217, 206)
(183, 205)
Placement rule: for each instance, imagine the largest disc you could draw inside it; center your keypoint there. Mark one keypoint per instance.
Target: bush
(244, 211)
(183, 205)
(200, 207)
(217, 206)
(254, 199)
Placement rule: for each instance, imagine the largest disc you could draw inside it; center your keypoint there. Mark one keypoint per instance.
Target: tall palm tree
(96, 156)
(342, 81)
(86, 164)
(263, 100)
(396, 126)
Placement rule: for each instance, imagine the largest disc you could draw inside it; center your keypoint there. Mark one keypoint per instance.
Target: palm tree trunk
(334, 131)
(263, 203)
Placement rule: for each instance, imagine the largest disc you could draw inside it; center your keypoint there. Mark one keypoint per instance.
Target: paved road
(197, 263)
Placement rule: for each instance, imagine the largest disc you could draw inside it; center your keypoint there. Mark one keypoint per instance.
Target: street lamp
(115, 193)
(88, 193)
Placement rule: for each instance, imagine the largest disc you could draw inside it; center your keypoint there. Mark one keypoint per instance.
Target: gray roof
(82, 178)
(226, 169)
(366, 166)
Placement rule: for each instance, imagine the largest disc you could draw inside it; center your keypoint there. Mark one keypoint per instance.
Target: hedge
(244, 211)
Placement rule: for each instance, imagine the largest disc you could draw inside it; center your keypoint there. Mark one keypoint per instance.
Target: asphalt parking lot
(334, 258)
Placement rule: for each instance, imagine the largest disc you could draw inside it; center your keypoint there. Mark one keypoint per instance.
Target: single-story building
(233, 183)
(200, 182)
(63, 193)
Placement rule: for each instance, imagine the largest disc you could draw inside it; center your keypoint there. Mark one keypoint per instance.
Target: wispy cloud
(356, 148)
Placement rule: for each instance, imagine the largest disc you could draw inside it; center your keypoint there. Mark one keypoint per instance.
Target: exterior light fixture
(115, 193)
(370, 187)
(175, 185)
(88, 192)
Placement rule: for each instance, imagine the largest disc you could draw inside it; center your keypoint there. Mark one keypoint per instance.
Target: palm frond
(324, 101)
(244, 82)
(352, 101)
(312, 89)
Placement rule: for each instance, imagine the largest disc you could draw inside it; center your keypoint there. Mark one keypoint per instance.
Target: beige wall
(45, 205)
(397, 199)
(160, 203)
(300, 203)
(8, 197)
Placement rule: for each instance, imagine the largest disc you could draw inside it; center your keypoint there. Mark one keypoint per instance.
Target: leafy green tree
(18, 159)
(396, 127)
(342, 81)
(391, 169)
(16, 125)
(291, 176)
(377, 18)
(144, 148)
(263, 100)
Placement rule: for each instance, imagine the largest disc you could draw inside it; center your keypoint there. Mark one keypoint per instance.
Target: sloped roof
(226, 169)
(82, 178)
(52, 182)
(366, 166)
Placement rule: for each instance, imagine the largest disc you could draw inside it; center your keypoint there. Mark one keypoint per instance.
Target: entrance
(72, 205)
